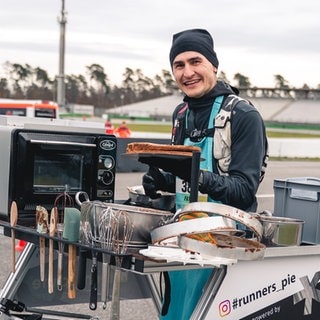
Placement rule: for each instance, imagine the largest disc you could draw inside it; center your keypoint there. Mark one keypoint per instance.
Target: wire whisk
(62, 201)
(122, 230)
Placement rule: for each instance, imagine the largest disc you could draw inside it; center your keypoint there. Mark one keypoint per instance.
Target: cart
(283, 285)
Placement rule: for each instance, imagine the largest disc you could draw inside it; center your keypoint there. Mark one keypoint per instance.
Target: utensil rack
(32, 236)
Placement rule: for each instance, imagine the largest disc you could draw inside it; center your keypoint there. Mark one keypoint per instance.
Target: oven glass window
(57, 173)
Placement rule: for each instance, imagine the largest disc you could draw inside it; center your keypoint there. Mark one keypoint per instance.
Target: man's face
(194, 73)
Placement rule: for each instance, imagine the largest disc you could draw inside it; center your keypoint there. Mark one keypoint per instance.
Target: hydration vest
(221, 134)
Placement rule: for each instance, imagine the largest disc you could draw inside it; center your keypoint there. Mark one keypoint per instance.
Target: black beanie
(198, 40)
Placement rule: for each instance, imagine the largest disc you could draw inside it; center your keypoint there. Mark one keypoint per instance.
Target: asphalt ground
(143, 309)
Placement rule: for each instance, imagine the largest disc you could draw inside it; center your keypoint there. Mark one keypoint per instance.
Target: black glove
(180, 167)
(153, 181)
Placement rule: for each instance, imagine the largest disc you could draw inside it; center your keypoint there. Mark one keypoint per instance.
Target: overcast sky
(257, 38)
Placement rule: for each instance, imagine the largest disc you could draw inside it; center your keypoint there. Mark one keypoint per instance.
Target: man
(232, 138)
(122, 131)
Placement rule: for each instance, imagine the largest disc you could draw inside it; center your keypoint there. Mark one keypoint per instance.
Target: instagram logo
(224, 308)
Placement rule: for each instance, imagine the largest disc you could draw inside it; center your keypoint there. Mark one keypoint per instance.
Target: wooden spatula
(42, 227)
(13, 223)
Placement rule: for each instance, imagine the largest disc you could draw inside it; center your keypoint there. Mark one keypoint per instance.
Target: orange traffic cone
(20, 246)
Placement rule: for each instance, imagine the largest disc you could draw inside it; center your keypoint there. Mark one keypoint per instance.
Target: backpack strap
(179, 122)
(222, 134)
(222, 137)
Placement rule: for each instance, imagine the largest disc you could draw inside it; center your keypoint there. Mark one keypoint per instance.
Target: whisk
(95, 230)
(94, 237)
(84, 238)
(62, 201)
(122, 229)
(106, 238)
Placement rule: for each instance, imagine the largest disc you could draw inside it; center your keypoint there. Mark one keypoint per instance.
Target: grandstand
(300, 111)
(285, 110)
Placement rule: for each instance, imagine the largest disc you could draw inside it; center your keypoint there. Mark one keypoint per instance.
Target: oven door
(46, 165)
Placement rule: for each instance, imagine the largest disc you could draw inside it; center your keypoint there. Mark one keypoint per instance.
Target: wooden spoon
(13, 223)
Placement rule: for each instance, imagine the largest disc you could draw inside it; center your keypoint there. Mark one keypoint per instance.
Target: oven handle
(91, 145)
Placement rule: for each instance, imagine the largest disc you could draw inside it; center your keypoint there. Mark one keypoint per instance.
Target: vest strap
(196, 135)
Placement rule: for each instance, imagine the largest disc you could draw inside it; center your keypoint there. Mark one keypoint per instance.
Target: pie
(154, 148)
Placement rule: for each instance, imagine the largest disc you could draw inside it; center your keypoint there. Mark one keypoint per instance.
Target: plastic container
(298, 198)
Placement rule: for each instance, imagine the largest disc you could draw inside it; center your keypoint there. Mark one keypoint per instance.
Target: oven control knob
(106, 177)
(108, 163)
